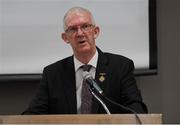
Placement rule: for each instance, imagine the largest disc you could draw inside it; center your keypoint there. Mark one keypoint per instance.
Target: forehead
(78, 18)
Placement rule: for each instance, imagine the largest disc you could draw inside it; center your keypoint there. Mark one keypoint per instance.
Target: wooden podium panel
(81, 119)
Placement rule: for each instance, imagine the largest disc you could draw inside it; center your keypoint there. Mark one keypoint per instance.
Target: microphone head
(89, 79)
(86, 75)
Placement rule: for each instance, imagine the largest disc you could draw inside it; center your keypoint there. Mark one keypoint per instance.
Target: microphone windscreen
(86, 75)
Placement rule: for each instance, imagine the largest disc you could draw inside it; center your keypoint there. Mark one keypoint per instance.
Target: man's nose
(79, 31)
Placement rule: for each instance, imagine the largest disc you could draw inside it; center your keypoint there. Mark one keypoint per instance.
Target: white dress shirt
(79, 78)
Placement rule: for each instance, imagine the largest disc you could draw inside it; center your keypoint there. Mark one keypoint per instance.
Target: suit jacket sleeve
(39, 103)
(130, 94)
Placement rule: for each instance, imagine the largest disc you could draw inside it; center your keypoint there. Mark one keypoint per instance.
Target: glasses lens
(74, 29)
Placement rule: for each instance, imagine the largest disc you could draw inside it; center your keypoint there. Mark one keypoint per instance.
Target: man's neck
(85, 57)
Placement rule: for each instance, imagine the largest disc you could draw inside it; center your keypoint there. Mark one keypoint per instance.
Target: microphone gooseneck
(100, 100)
(100, 96)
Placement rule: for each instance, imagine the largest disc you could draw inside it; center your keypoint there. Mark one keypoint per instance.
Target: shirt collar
(92, 62)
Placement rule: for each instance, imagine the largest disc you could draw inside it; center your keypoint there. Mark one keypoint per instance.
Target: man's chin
(84, 50)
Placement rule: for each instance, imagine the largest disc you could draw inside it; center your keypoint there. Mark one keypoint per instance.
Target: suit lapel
(100, 77)
(70, 85)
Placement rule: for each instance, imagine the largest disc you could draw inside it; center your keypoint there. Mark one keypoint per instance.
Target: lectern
(81, 119)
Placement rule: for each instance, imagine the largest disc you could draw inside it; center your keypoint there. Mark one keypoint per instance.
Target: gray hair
(77, 9)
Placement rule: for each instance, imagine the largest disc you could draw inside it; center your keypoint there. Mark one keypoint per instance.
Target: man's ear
(64, 37)
(96, 32)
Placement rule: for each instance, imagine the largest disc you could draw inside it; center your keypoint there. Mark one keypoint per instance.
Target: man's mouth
(81, 42)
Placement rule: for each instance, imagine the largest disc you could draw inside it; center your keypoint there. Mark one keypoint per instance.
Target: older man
(62, 90)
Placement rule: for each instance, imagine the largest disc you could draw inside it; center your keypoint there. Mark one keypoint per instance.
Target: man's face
(80, 33)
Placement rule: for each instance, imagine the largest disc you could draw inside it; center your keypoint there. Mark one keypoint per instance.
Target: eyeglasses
(74, 29)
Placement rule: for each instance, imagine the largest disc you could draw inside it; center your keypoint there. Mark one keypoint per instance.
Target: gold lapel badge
(102, 77)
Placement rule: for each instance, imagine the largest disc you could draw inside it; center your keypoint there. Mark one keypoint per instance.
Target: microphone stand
(95, 91)
(100, 100)
(91, 89)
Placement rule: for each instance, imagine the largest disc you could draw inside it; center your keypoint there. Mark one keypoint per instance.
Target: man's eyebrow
(79, 25)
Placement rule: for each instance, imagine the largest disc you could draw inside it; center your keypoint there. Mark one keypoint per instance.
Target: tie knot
(86, 67)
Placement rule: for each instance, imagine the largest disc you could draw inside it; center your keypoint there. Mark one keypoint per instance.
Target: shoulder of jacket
(117, 57)
(59, 63)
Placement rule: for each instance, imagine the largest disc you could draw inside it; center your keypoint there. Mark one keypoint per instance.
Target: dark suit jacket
(57, 91)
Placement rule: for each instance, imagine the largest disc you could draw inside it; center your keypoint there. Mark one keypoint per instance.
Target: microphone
(93, 85)
(89, 79)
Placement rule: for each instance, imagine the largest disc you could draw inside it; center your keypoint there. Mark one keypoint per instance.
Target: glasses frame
(83, 27)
